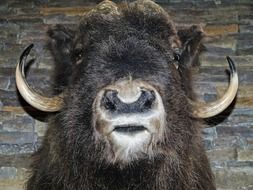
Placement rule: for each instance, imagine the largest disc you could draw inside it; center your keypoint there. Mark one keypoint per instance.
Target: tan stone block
(234, 178)
(244, 102)
(17, 110)
(245, 155)
(12, 185)
(213, 30)
(224, 154)
(68, 11)
(40, 128)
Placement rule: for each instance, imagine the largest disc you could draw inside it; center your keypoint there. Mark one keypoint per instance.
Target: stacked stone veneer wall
(229, 28)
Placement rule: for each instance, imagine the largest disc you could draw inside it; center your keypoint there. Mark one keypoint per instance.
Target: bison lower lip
(129, 129)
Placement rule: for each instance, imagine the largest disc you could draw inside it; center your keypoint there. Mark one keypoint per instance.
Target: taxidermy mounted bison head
(125, 117)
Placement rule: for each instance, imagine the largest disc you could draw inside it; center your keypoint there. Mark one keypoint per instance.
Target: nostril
(108, 100)
(109, 105)
(147, 98)
(150, 98)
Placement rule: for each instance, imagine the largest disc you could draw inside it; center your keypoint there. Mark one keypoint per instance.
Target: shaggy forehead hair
(156, 30)
(136, 37)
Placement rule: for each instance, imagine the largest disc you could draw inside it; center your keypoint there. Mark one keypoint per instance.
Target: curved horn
(33, 98)
(205, 110)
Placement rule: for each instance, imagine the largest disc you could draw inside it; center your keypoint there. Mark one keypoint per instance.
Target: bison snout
(129, 117)
(116, 104)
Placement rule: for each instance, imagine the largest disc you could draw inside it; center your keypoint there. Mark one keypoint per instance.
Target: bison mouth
(129, 129)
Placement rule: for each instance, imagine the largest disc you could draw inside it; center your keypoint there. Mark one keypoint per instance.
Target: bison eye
(176, 56)
(78, 55)
(176, 59)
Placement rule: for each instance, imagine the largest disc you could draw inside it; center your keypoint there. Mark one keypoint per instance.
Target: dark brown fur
(136, 43)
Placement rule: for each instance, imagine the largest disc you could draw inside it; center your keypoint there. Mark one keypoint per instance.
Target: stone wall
(229, 28)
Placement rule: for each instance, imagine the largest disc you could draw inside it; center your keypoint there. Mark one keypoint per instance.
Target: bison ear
(191, 46)
(61, 42)
(61, 45)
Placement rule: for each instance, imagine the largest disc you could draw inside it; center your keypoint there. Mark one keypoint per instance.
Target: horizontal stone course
(19, 123)
(17, 137)
(17, 160)
(224, 154)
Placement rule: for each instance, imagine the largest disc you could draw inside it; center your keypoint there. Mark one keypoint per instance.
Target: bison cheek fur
(74, 151)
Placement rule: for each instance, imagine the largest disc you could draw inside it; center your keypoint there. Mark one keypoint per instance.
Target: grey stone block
(15, 149)
(246, 28)
(4, 83)
(8, 173)
(20, 123)
(5, 116)
(9, 98)
(17, 137)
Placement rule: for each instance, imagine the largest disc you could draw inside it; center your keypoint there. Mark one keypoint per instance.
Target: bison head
(124, 78)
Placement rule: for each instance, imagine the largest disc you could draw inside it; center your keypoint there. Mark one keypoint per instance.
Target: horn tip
(231, 65)
(26, 52)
